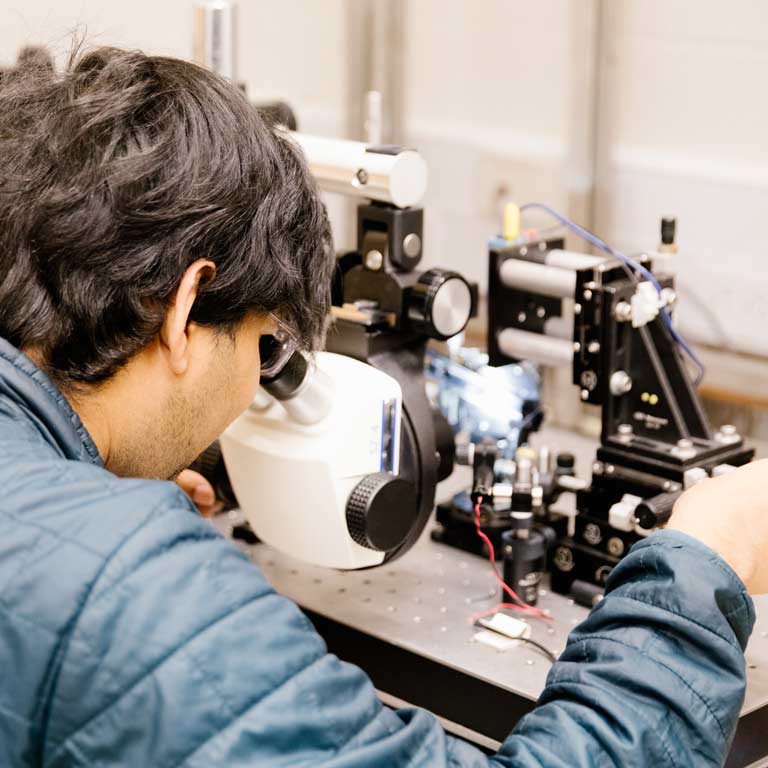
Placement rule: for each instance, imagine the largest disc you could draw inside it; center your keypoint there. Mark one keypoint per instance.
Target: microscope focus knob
(381, 510)
(440, 304)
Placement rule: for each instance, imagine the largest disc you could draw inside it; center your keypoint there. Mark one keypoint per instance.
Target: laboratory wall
(277, 39)
(613, 111)
(684, 130)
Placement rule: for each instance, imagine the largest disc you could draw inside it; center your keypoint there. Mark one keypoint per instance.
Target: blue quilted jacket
(132, 634)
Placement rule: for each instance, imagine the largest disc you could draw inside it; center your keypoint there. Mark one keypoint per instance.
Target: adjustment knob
(656, 510)
(440, 304)
(566, 462)
(381, 510)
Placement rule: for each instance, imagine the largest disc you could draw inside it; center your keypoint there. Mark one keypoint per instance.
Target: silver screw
(620, 384)
(412, 245)
(593, 347)
(623, 312)
(684, 449)
(615, 546)
(728, 435)
(587, 295)
(374, 260)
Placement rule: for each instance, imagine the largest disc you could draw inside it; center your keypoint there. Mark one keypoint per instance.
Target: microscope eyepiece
(284, 381)
(292, 378)
(275, 351)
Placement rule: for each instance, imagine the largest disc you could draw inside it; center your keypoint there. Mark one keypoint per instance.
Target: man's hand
(200, 491)
(730, 515)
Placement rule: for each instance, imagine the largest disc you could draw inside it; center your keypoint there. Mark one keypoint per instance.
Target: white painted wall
(291, 49)
(685, 131)
(294, 50)
(486, 104)
(494, 99)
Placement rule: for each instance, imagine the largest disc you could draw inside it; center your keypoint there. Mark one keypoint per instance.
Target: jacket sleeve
(656, 673)
(183, 655)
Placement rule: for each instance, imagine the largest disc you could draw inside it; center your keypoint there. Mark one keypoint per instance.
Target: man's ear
(174, 335)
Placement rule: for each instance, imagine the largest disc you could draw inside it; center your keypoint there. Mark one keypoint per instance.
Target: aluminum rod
(525, 345)
(573, 260)
(357, 169)
(522, 275)
(216, 37)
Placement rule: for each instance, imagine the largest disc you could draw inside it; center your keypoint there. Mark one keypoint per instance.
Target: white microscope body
(314, 465)
(295, 481)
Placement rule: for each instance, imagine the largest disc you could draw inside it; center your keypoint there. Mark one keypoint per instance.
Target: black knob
(668, 226)
(381, 510)
(656, 510)
(566, 461)
(521, 520)
(440, 304)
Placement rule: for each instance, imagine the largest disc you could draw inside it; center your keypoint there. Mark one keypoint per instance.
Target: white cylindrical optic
(525, 345)
(573, 259)
(215, 37)
(348, 167)
(530, 276)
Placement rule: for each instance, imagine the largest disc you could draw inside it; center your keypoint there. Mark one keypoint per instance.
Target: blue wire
(600, 244)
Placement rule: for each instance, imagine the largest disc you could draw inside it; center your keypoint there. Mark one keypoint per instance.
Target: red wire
(496, 608)
(519, 604)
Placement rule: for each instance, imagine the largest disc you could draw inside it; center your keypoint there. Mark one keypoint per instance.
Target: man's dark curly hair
(116, 175)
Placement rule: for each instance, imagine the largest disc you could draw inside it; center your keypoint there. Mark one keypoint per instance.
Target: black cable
(550, 656)
(542, 648)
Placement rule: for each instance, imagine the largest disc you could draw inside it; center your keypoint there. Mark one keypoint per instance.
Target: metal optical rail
(387, 174)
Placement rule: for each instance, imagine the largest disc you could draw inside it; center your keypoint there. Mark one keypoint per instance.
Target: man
(152, 230)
